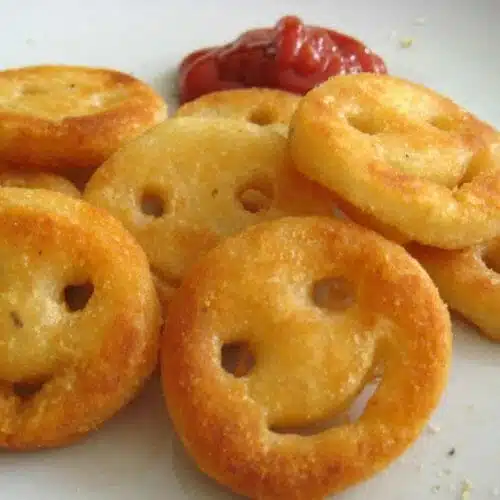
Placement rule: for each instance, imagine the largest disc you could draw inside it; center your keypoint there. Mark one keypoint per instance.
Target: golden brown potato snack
(57, 117)
(265, 107)
(79, 318)
(38, 180)
(468, 280)
(322, 307)
(403, 154)
(190, 182)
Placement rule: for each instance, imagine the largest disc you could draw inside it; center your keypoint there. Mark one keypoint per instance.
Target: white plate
(136, 455)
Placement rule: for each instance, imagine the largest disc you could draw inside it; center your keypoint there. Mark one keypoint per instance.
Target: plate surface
(454, 50)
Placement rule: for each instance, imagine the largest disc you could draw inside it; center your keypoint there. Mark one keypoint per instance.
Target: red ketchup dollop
(290, 56)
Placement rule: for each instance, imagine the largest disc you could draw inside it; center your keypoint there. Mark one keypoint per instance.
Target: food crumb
(406, 43)
(451, 452)
(433, 429)
(466, 490)
(435, 488)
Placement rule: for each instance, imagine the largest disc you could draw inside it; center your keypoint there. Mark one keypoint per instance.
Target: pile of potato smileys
(287, 259)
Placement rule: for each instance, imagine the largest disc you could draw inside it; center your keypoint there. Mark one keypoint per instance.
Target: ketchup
(290, 56)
